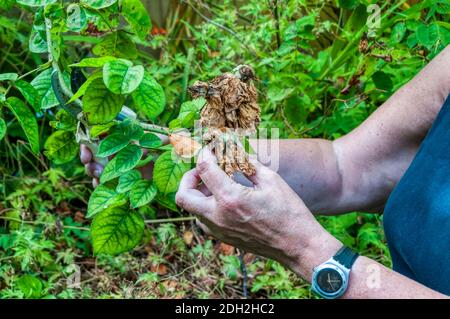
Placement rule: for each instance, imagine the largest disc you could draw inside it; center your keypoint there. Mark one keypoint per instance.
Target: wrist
(317, 249)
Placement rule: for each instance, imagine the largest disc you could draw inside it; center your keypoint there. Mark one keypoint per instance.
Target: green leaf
(127, 180)
(30, 286)
(8, 76)
(103, 198)
(36, 3)
(112, 144)
(82, 90)
(130, 128)
(382, 81)
(191, 106)
(93, 62)
(43, 84)
(167, 201)
(56, 39)
(124, 161)
(117, 44)
(145, 161)
(29, 93)
(121, 77)
(142, 193)
(2, 128)
(37, 42)
(98, 4)
(116, 230)
(136, 15)
(100, 105)
(26, 120)
(61, 147)
(97, 130)
(150, 140)
(398, 32)
(76, 19)
(167, 173)
(64, 121)
(149, 97)
(427, 35)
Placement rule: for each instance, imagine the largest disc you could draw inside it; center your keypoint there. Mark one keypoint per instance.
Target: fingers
(85, 154)
(205, 191)
(93, 169)
(262, 175)
(215, 179)
(190, 198)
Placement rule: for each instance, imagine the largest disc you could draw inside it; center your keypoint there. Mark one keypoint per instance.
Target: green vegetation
(320, 71)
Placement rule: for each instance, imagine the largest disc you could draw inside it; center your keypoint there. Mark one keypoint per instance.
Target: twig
(154, 128)
(41, 223)
(274, 5)
(233, 33)
(170, 220)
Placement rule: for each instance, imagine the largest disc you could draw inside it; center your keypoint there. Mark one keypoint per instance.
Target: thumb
(263, 174)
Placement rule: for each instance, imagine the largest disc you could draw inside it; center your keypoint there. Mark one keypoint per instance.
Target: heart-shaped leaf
(116, 230)
(121, 77)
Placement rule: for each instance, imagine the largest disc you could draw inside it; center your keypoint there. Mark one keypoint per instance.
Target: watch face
(329, 280)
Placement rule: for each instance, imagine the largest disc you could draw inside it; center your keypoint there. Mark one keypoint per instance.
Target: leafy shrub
(320, 75)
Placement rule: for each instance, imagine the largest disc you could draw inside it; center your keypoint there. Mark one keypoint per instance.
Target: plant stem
(154, 128)
(170, 220)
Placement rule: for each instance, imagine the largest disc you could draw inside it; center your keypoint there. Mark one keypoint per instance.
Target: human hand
(268, 219)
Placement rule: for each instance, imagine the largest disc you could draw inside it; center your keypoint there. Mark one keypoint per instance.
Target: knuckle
(230, 200)
(202, 167)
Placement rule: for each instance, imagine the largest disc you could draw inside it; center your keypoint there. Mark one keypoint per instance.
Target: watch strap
(346, 257)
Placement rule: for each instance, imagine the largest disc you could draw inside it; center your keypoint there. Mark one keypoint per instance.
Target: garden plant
(121, 79)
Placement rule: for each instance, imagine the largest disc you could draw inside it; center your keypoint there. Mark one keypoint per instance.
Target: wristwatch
(330, 279)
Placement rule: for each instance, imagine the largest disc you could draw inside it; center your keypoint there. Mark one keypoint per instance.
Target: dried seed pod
(184, 146)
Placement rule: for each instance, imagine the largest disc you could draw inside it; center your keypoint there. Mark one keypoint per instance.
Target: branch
(233, 33)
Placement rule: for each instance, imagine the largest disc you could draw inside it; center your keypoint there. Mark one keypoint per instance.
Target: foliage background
(319, 76)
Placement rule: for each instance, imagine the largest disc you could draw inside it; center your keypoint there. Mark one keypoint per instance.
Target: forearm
(310, 168)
